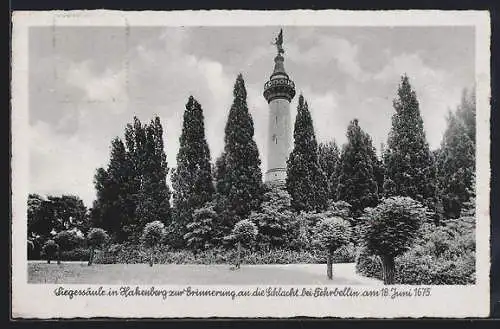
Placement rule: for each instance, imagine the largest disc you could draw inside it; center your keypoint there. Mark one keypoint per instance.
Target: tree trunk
(48, 261)
(91, 258)
(59, 256)
(151, 258)
(388, 269)
(238, 256)
(329, 265)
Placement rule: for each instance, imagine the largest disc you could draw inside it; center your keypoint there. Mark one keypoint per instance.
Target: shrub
(68, 239)
(345, 254)
(35, 245)
(200, 231)
(153, 235)
(427, 270)
(49, 249)
(274, 219)
(78, 254)
(96, 237)
(244, 232)
(369, 265)
(299, 236)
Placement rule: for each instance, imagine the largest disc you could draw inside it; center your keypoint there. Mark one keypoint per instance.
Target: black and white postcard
(250, 164)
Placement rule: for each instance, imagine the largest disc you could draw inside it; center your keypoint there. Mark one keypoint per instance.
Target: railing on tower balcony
(280, 82)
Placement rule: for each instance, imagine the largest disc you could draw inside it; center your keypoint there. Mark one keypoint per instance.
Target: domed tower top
(279, 84)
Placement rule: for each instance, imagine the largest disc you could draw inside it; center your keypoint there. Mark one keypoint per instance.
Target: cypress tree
(409, 164)
(466, 112)
(306, 183)
(357, 183)
(192, 180)
(456, 167)
(243, 176)
(329, 159)
(225, 215)
(154, 196)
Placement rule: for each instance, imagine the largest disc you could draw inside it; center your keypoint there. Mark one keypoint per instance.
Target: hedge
(133, 254)
(77, 254)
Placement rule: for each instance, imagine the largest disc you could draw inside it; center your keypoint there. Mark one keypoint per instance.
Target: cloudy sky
(87, 83)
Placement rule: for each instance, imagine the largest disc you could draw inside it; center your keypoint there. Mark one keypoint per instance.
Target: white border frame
(38, 301)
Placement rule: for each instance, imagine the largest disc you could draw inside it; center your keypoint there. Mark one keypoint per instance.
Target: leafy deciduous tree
(390, 228)
(331, 234)
(96, 237)
(244, 233)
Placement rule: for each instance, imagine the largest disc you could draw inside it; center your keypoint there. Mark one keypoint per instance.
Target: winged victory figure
(279, 42)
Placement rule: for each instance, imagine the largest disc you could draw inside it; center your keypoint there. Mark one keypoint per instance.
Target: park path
(80, 273)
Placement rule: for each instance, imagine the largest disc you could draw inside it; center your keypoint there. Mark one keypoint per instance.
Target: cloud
(327, 49)
(436, 90)
(163, 81)
(327, 119)
(61, 165)
(108, 86)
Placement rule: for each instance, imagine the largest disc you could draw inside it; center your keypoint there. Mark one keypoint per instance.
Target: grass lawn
(78, 272)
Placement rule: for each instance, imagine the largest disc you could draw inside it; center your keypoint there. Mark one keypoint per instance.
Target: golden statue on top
(278, 42)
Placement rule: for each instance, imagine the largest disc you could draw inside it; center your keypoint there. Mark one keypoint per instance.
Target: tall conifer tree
(306, 183)
(243, 177)
(154, 196)
(409, 164)
(329, 159)
(466, 112)
(456, 167)
(192, 180)
(357, 183)
(220, 172)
